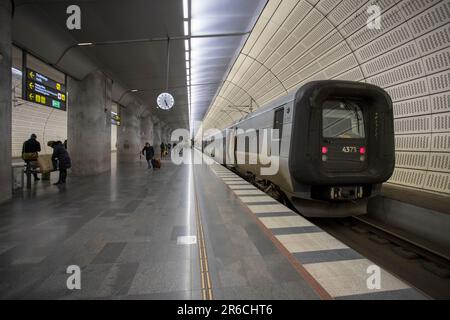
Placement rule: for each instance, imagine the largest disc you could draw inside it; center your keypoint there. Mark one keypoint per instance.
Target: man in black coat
(149, 153)
(30, 150)
(61, 161)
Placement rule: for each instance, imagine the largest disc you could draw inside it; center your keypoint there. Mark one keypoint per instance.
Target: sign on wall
(115, 118)
(45, 91)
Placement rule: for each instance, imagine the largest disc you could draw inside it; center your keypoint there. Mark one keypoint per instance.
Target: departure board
(45, 91)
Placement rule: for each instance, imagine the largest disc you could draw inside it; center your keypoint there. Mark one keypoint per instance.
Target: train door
(232, 145)
(235, 147)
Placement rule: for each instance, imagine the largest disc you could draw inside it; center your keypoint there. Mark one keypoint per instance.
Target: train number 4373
(349, 149)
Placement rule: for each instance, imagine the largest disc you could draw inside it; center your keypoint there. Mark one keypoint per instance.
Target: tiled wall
(297, 41)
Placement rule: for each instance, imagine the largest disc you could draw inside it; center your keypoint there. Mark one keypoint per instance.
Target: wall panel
(329, 39)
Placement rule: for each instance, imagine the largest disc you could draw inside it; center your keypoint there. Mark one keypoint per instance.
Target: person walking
(30, 153)
(149, 153)
(61, 160)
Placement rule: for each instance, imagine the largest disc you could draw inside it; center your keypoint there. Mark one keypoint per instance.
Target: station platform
(180, 232)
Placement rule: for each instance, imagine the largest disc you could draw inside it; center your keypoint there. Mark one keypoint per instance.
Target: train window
(257, 141)
(342, 119)
(278, 122)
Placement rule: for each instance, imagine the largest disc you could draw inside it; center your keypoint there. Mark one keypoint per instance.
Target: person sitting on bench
(30, 150)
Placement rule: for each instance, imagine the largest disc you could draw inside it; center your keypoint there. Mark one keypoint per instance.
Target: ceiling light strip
(187, 48)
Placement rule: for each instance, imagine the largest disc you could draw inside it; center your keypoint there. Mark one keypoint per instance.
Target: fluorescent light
(186, 28)
(187, 65)
(187, 55)
(16, 71)
(81, 44)
(186, 45)
(185, 9)
(187, 71)
(134, 90)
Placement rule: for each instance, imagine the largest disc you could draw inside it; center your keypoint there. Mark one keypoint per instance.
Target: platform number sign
(42, 90)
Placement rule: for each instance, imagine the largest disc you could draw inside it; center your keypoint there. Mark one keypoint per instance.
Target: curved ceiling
(297, 41)
(128, 41)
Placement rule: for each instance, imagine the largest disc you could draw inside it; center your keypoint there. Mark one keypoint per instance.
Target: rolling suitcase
(156, 163)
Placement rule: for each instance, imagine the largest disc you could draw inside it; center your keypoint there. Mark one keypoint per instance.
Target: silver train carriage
(336, 147)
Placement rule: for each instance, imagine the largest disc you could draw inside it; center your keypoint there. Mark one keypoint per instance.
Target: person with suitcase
(149, 153)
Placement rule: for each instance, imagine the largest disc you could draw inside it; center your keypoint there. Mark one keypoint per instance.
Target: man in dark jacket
(61, 161)
(30, 150)
(149, 153)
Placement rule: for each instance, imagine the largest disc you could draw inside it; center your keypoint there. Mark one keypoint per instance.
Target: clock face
(165, 101)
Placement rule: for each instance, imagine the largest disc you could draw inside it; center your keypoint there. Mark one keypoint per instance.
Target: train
(335, 142)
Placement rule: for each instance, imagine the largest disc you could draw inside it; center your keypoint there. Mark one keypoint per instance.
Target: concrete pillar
(129, 142)
(168, 134)
(157, 137)
(5, 101)
(89, 124)
(147, 130)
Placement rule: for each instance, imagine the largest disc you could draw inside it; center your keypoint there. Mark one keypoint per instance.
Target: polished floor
(132, 233)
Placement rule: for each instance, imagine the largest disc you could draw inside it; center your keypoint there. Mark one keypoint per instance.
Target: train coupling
(346, 193)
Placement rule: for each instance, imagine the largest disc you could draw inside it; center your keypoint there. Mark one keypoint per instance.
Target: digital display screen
(115, 118)
(45, 91)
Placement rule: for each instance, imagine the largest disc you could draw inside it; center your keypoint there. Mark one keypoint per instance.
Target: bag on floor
(156, 163)
(45, 163)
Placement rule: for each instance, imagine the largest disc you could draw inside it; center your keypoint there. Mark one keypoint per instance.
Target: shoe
(37, 179)
(57, 183)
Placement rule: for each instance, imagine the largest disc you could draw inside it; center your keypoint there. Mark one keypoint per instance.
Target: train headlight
(362, 150)
(362, 158)
(324, 158)
(324, 150)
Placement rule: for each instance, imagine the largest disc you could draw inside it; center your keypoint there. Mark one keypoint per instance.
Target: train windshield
(342, 119)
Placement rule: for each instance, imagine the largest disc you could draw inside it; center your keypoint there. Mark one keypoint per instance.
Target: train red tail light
(362, 150)
(324, 150)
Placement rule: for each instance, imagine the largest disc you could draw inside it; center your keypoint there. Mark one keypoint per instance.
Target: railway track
(421, 265)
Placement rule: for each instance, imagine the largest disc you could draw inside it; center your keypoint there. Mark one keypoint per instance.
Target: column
(147, 130)
(157, 138)
(89, 124)
(129, 134)
(5, 101)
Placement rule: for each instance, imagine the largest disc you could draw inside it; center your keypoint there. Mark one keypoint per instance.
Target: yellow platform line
(206, 285)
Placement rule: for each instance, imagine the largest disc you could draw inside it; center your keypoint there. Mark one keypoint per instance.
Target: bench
(43, 165)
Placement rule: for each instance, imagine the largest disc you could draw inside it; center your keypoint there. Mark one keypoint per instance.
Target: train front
(342, 147)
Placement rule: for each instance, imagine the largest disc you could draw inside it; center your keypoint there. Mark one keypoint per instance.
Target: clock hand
(166, 103)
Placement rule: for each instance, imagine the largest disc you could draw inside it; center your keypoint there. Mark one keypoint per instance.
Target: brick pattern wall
(27, 118)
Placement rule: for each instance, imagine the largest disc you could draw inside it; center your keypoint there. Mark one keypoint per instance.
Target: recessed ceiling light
(81, 44)
(134, 90)
(185, 9)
